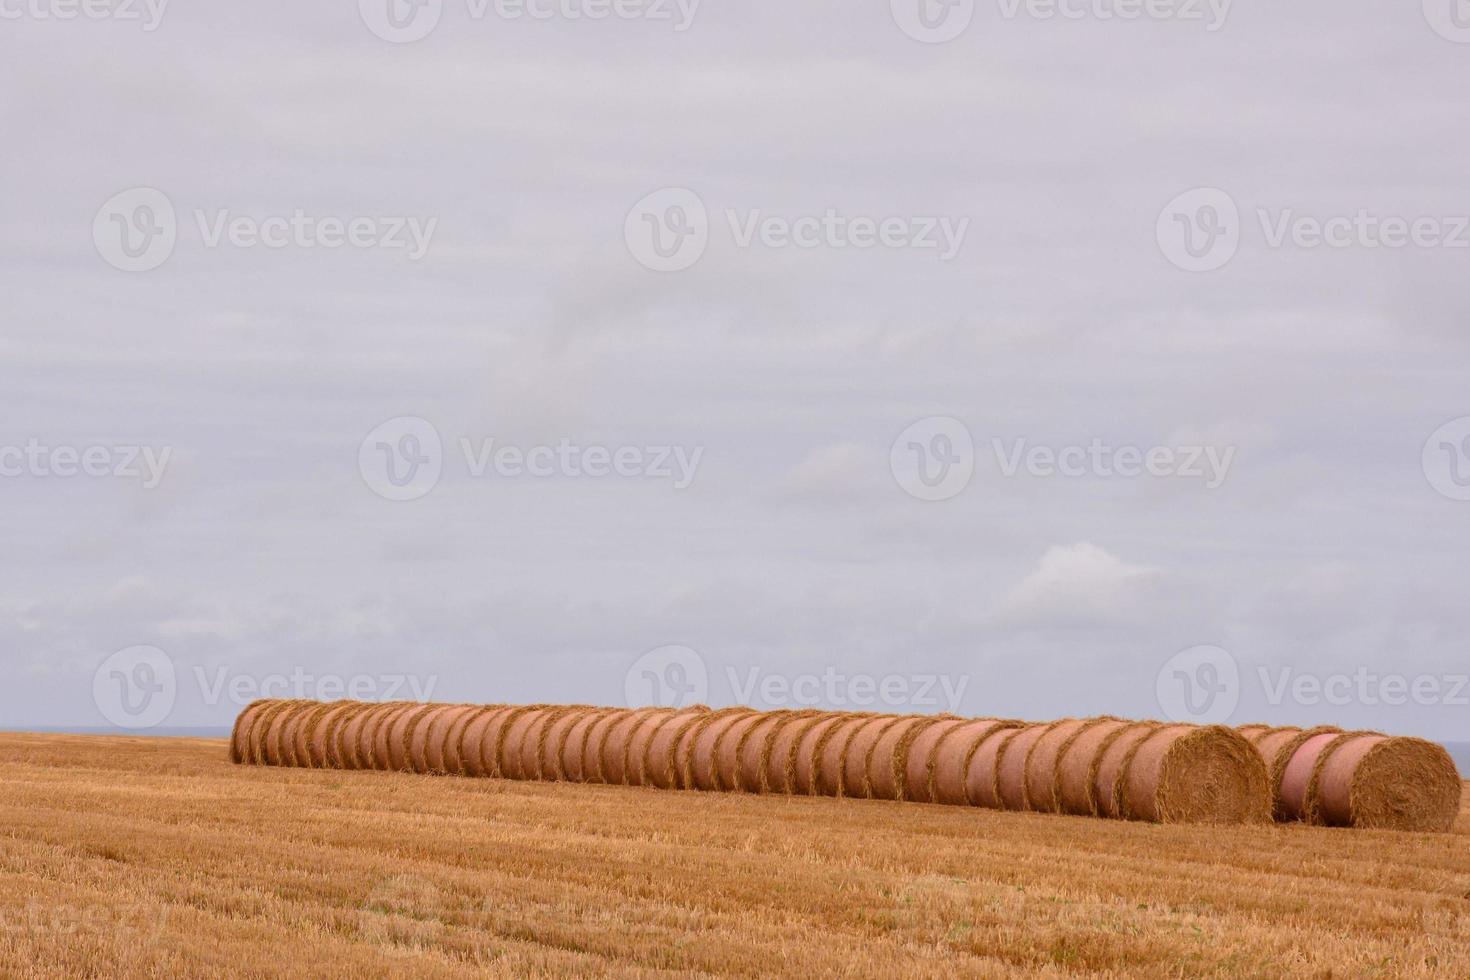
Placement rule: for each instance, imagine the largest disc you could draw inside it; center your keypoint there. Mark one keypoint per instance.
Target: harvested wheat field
(158, 857)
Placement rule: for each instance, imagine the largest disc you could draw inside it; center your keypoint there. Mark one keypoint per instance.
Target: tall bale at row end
(1366, 779)
(1188, 774)
(1388, 783)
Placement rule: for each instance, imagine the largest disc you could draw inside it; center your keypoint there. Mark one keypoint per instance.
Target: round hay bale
(350, 737)
(1010, 770)
(956, 765)
(1389, 783)
(1196, 774)
(553, 737)
(1277, 746)
(574, 749)
(303, 733)
(414, 737)
(1108, 785)
(635, 770)
(701, 770)
(451, 761)
(323, 732)
(856, 779)
(832, 753)
(240, 734)
(919, 768)
(272, 724)
(1297, 776)
(381, 729)
(1040, 773)
(806, 752)
(982, 772)
(398, 734)
(291, 732)
(660, 759)
(592, 747)
(780, 768)
(616, 764)
(520, 741)
(1043, 762)
(494, 759)
(888, 760)
(727, 749)
(1077, 766)
(436, 738)
(255, 744)
(1253, 732)
(754, 773)
(472, 737)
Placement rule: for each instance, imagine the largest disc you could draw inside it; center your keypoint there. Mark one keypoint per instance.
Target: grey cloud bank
(1332, 537)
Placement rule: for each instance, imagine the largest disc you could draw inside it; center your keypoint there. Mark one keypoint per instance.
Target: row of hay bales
(1105, 767)
(1330, 777)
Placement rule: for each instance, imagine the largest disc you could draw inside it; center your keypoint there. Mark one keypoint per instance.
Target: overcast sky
(868, 313)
